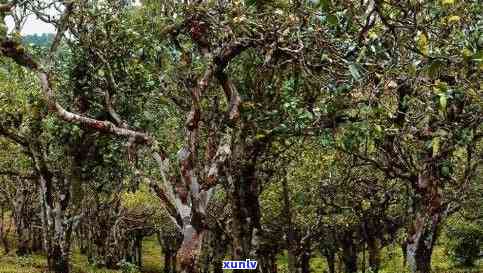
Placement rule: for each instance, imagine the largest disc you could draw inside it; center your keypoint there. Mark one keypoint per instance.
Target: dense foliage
(234, 130)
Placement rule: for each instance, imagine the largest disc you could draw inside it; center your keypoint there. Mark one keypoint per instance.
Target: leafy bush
(25, 261)
(465, 241)
(127, 267)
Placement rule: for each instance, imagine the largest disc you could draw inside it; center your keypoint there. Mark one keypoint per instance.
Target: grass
(37, 263)
(392, 261)
(440, 262)
(30, 264)
(151, 256)
(152, 262)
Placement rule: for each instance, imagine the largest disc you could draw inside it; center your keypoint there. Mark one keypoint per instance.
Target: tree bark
(36, 239)
(328, 248)
(170, 241)
(300, 256)
(4, 232)
(292, 243)
(245, 190)
(404, 253)
(169, 262)
(246, 215)
(424, 231)
(23, 240)
(349, 253)
(292, 258)
(303, 261)
(267, 262)
(58, 258)
(330, 257)
(133, 253)
(373, 246)
(218, 266)
(188, 254)
(23, 215)
(215, 247)
(421, 242)
(57, 229)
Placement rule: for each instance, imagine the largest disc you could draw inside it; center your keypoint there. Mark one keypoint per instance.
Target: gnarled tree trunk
(36, 237)
(349, 252)
(189, 252)
(246, 215)
(170, 242)
(373, 247)
(404, 253)
(267, 261)
(57, 227)
(423, 233)
(298, 247)
(303, 259)
(58, 258)
(330, 257)
(4, 231)
(23, 214)
(328, 248)
(169, 262)
(299, 258)
(244, 195)
(214, 250)
(421, 242)
(57, 230)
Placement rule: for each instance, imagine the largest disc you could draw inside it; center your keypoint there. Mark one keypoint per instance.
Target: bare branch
(231, 94)
(14, 137)
(222, 154)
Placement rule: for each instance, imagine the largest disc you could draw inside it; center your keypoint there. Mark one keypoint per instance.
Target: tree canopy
(234, 130)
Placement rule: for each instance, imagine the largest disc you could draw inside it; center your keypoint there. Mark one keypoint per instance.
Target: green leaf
(355, 72)
(259, 136)
(436, 144)
(453, 19)
(250, 2)
(423, 43)
(378, 128)
(443, 101)
(300, 198)
(435, 68)
(324, 4)
(445, 171)
(332, 20)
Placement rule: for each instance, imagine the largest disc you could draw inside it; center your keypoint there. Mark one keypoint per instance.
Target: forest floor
(152, 262)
